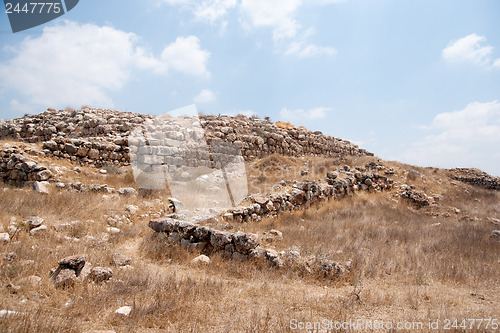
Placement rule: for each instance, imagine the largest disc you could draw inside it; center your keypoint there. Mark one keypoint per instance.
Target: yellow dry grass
(407, 265)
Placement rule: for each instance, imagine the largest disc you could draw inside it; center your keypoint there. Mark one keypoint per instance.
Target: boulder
(100, 274)
(124, 311)
(38, 230)
(245, 242)
(201, 260)
(495, 235)
(75, 263)
(219, 239)
(65, 278)
(33, 221)
(43, 175)
(4, 237)
(132, 209)
(41, 187)
(70, 149)
(127, 191)
(273, 235)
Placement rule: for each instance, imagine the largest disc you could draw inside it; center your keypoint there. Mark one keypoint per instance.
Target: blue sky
(414, 81)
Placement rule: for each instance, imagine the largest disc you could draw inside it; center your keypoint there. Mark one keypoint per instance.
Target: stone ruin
(98, 137)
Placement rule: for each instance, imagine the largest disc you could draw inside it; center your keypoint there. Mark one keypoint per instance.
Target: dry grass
(406, 266)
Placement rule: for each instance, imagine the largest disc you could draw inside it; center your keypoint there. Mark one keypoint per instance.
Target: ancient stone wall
(16, 168)
(476, 178)
(97, 152)
(338, 184)
(95, 136)
(205, 239)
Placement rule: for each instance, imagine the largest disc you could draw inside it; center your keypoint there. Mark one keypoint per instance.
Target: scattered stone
(495, 235)
(65, 278)
(8, 313)
(127, 191)
(101, 274)
(41, 187)
(38, 230)
(33, 221)
(273, 235)
(273, 257)
(418, 199)
(494, 220)
(174, 204)
(4, 237)
(113, 230)
(132, 209)
(75, 263)
(124, 311)
(121, 260)
(201, 260)
(103, 172)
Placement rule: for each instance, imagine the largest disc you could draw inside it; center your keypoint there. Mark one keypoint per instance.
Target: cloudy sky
(415, 81)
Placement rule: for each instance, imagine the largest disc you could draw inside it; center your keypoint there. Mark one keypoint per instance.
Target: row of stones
(94, 152)
(337, 184)
(255, 137)
(241, 246)
(476, 178)
(71, 123)
(16, 168)
(258, 138)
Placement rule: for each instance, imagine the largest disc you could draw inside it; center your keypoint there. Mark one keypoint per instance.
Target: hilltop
(325, 231)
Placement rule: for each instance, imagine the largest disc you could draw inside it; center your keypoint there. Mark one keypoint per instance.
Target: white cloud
(213, 10)
(277, 14)
(205, 96)
(469, 50)
(464, 138)
(304, 50)
(300, 114)
(288, 34)
(73, 64)
(185, 55)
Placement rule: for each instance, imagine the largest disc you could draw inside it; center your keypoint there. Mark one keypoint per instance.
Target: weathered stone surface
(245, 242)
(38, 230)
(121, 260)
(273, 235)
(41, 187)
(495, 235)
(201, 260)
(65, 278)
(219, 239)
(43, 175)
(100, 274)
(418, 199)
(124, 311)
(33, 221)
(127, 191)
(75, 263)
(4, 237)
